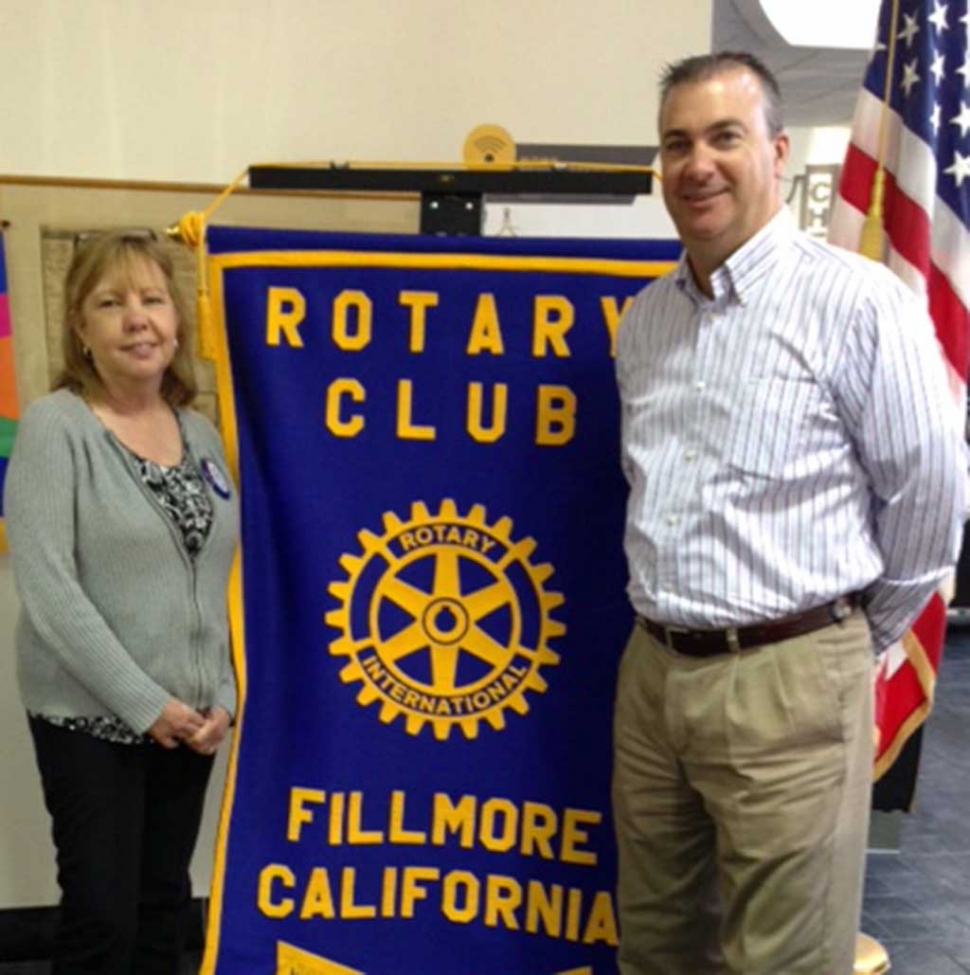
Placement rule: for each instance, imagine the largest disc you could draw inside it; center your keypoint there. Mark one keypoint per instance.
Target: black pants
(125, 822)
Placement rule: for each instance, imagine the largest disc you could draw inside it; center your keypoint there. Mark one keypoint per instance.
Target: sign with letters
(430, 602)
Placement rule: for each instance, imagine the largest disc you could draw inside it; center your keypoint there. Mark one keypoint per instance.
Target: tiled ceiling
(819, 85)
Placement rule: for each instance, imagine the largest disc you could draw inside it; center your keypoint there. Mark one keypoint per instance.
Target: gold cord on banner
(870, 241)
(191, 231)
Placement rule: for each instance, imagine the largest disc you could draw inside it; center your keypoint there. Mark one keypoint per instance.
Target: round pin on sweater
(215, 477)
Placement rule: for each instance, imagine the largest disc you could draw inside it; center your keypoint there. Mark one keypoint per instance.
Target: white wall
(186, 91)
(643, 217)
(26, 854)
(182, 90)
(818, 146)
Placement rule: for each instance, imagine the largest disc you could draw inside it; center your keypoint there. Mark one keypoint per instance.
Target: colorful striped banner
(8, 388)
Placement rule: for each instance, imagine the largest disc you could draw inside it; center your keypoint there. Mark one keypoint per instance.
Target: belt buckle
(732, 639)
(841, 609)
(668, 641)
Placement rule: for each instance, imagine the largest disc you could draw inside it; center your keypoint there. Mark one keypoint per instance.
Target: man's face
(720, 163)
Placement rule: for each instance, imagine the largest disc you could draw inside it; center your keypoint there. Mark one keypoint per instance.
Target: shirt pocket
(769, 430)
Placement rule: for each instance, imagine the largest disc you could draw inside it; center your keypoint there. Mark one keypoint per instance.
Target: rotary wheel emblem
(444, 620)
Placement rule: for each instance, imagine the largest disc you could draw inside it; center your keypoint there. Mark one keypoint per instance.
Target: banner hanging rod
(451, 199)
(606, 181)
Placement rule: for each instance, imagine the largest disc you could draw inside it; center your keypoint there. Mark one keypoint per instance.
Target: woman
(122, 524)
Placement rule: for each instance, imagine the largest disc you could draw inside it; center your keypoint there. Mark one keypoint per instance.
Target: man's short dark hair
(702, 67)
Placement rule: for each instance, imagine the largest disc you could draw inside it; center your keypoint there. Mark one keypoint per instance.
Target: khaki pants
(741, 793)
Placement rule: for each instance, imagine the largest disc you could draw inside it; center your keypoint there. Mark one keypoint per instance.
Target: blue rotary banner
(430, 602)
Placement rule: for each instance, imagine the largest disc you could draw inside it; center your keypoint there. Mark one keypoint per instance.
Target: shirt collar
(737, 276)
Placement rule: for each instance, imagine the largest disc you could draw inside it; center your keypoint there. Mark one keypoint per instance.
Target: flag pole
(870, 241)
(871, 957)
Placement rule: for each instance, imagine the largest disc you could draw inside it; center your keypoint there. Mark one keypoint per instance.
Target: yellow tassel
(871, 239)
(205, 335)
(191, 231)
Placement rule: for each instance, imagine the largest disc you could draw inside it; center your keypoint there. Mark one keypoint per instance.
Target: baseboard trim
(27, 933)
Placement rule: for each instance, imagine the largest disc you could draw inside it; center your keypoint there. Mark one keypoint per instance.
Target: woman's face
(130, 324)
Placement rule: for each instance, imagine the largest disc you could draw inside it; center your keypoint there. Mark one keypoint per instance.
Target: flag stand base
(870, 957)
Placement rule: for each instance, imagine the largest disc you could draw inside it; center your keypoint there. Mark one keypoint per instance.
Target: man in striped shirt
(797, 490)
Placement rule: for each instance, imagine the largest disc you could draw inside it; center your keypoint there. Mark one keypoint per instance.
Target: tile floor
(917, 902)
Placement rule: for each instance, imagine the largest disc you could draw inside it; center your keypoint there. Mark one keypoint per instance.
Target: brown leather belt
(708, 643)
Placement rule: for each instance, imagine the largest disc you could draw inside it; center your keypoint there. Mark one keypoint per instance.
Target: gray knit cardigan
(115, 616)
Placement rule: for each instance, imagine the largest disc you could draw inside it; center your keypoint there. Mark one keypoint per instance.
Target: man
(797, 473)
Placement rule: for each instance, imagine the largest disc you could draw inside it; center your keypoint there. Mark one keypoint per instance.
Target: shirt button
(700, 385)
(672, 520)
(690, 455)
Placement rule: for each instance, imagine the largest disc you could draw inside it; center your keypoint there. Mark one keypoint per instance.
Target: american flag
(921, 136)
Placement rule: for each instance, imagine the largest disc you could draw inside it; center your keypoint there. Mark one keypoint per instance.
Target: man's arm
(908, 430)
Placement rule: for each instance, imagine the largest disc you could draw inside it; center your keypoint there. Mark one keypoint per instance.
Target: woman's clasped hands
(178, 724)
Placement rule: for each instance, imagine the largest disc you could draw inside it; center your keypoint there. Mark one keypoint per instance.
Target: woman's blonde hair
(124, 250)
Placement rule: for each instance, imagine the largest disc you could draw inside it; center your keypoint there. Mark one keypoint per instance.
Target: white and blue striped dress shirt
(787, 442)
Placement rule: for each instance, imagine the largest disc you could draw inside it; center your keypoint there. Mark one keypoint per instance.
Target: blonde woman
(122, 522)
